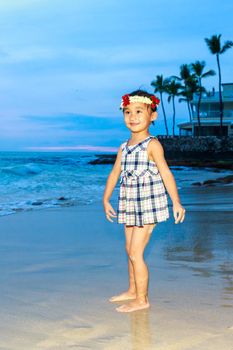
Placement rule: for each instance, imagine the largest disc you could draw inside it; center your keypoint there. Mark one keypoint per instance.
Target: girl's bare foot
(133, 306)
(123, 296)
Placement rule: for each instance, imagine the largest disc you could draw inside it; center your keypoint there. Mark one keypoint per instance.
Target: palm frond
(214, 44)
(198, 67)
(172, 77)
(209, 73)
(182, 99)
(228, 44)
(159, 84)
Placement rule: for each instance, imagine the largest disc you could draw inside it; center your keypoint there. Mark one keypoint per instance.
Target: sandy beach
(60, 266)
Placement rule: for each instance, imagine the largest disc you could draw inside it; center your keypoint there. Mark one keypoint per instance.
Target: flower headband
(127, 99)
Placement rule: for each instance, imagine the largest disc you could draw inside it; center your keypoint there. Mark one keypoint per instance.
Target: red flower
(126, 100)
(155, 100)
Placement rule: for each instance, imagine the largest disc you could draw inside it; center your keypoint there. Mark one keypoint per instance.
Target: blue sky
(64, 65)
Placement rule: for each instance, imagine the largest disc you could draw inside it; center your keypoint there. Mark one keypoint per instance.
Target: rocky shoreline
(223, 162)
(202, 151)
(110, 159)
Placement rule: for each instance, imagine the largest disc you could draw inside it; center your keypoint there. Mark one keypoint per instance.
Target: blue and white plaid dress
(142, 197)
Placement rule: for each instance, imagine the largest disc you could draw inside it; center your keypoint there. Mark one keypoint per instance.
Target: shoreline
(207, 188)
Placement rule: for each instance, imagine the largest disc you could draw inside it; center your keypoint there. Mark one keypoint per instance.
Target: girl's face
(138, 116)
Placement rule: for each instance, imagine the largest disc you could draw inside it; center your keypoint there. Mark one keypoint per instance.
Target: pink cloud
(74, 148)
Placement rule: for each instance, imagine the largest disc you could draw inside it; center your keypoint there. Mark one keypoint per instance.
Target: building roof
(213, 96)
(185, 124)
(227, 84)
(207, 123)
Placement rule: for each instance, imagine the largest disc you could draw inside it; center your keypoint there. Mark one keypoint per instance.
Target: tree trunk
(164, 114)
(220, 95)
(188, 104)
(189, 109)
(198, 109)
(174, 115)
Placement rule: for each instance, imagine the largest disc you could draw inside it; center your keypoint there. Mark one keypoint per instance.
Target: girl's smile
(134, 124)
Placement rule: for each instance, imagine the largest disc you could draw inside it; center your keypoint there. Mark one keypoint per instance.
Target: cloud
(74, 148)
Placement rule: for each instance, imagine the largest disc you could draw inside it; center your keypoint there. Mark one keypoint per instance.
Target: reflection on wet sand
(141, 336)
(205, 248)
(226, 269)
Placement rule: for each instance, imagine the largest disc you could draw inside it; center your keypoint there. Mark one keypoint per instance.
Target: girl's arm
(155, 150)
(110, 185)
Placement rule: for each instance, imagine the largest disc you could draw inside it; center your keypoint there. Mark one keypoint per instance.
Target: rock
(104, 159)
(226, 179)
(211, 182)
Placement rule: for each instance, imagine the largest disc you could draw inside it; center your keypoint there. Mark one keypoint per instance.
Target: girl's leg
(131, 292)
(139, 240)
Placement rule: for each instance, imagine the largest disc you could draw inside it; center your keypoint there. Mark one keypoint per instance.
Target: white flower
(140, 99)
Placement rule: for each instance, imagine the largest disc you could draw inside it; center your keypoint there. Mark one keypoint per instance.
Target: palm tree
(160, 85)
(187, 77)
(215, 47)
(198, 68)
(173, 89)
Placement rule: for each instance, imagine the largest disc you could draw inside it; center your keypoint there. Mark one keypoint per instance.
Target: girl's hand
(178, 209)
(109, 211)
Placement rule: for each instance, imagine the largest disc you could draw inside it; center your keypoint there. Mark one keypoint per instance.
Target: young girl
(142, 201)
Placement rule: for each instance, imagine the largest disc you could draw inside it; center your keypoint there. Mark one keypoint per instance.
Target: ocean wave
(23, 170)
(14, 207)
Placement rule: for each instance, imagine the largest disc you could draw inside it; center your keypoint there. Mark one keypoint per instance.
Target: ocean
(37, 180)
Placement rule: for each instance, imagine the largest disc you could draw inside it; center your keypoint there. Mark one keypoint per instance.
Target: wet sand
(60, 266)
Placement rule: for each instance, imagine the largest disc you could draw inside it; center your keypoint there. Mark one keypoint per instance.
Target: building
(210, 115)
